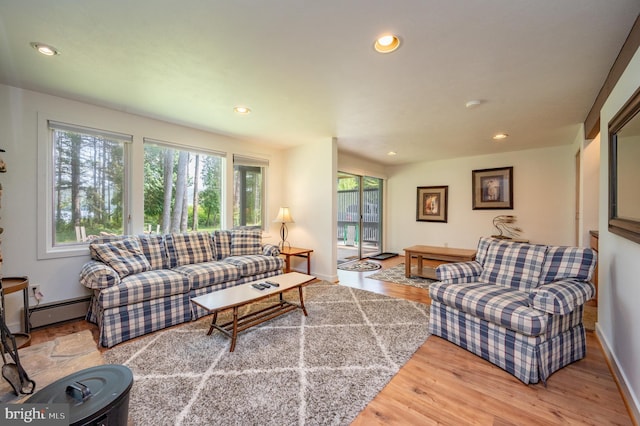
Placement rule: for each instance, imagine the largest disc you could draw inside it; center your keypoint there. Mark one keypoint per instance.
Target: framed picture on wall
(431, 204)
(492, 188)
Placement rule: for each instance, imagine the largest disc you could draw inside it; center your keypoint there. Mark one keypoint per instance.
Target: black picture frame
(432, 203)
(492, 189)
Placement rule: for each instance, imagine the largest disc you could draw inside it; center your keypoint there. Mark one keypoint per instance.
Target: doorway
(359, 217)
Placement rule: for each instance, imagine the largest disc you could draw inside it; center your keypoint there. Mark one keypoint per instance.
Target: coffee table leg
(213, 321)
(302, 301)
(234, 336)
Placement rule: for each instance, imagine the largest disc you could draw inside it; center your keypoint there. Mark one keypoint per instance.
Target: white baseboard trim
(631, 399)
(330, 278)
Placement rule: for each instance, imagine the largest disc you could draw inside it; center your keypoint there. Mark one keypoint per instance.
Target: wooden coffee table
(429, 257)
(243, 294)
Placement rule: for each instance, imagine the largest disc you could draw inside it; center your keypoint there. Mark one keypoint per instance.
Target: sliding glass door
(359, 217)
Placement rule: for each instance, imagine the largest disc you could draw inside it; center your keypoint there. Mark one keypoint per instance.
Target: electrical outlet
(35, 291)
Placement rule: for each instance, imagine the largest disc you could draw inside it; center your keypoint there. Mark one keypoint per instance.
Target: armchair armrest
(460, 272)
(97, 275)
(270, 250)
(561, 297)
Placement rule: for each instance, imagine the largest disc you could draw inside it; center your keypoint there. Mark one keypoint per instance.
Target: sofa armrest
(460, 272)
(561, 297)
(97, 275)
(270, 250)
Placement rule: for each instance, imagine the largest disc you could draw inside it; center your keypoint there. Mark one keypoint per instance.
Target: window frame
(45, 199)
(193, 150)
(263, 165)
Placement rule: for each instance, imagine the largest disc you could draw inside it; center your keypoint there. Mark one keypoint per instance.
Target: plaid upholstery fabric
(124, 256)
(561, 350)
(270, 250)
(561, 297)
(560, 323)
(222, 243)
(189, 248)
(250, 265)
(154, 250)
(483, 247)
(568, 262)
(126, 322)
(499, 305)
(246, 242)
(97, 275)
(460, 272)
(144, 286)
(511, 351)
(513, 265)
(103, 239)
(259, 277)
(208, 273)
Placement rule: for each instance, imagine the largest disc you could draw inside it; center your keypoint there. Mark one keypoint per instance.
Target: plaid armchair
(519, 306)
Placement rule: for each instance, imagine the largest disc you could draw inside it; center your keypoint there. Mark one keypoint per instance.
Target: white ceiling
(308, 71)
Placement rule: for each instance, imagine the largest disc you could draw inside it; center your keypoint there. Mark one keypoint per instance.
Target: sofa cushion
(246, 242)
(147, 285)
(483, 247)
(255, 264)
(188, 248)
(504, 306)
(154, 250)
(124, 256)
(208, 273)
(562, 263)
(222, 243)
(515, 265)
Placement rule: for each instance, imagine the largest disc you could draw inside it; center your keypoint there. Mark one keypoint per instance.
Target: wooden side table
(428, 259)
(11, 285)
(287, 252)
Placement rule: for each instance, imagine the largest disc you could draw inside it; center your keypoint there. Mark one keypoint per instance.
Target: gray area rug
(293, 370)
(395, 274)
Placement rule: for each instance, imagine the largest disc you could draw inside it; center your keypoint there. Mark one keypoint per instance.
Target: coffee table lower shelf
(231, 328)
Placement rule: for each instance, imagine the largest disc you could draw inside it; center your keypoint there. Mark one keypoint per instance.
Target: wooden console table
(287, 252)
(430, 257)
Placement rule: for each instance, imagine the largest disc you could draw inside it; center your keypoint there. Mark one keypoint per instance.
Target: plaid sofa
(144, 283)
(517, 305)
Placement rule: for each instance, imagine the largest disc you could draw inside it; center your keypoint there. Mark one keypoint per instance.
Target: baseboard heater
(55, 312)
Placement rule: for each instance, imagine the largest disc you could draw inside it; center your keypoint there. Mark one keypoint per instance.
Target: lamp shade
(284, 216)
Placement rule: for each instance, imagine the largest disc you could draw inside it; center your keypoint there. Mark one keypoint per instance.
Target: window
(88, 182)
(179, 182)
(248, 191)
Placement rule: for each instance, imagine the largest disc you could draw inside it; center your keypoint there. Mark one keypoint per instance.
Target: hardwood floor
(444, 384)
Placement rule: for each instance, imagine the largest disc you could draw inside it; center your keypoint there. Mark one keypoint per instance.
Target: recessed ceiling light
(473, 103)
(500, 136)
(45, 49)
(387, 43)
(241, 110)
(392, 153)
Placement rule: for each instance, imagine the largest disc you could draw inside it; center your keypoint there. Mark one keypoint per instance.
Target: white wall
(310, 192)
(619, 268)
(544, 197)
(590, 187)
(19, 111)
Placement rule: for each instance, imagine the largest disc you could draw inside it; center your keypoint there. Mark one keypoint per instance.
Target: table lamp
(284, 217)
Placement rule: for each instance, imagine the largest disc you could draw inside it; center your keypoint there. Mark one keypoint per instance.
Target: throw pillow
(189, 248)
(562, 263)
(246, 241)
(514, 265)
(124, 256)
